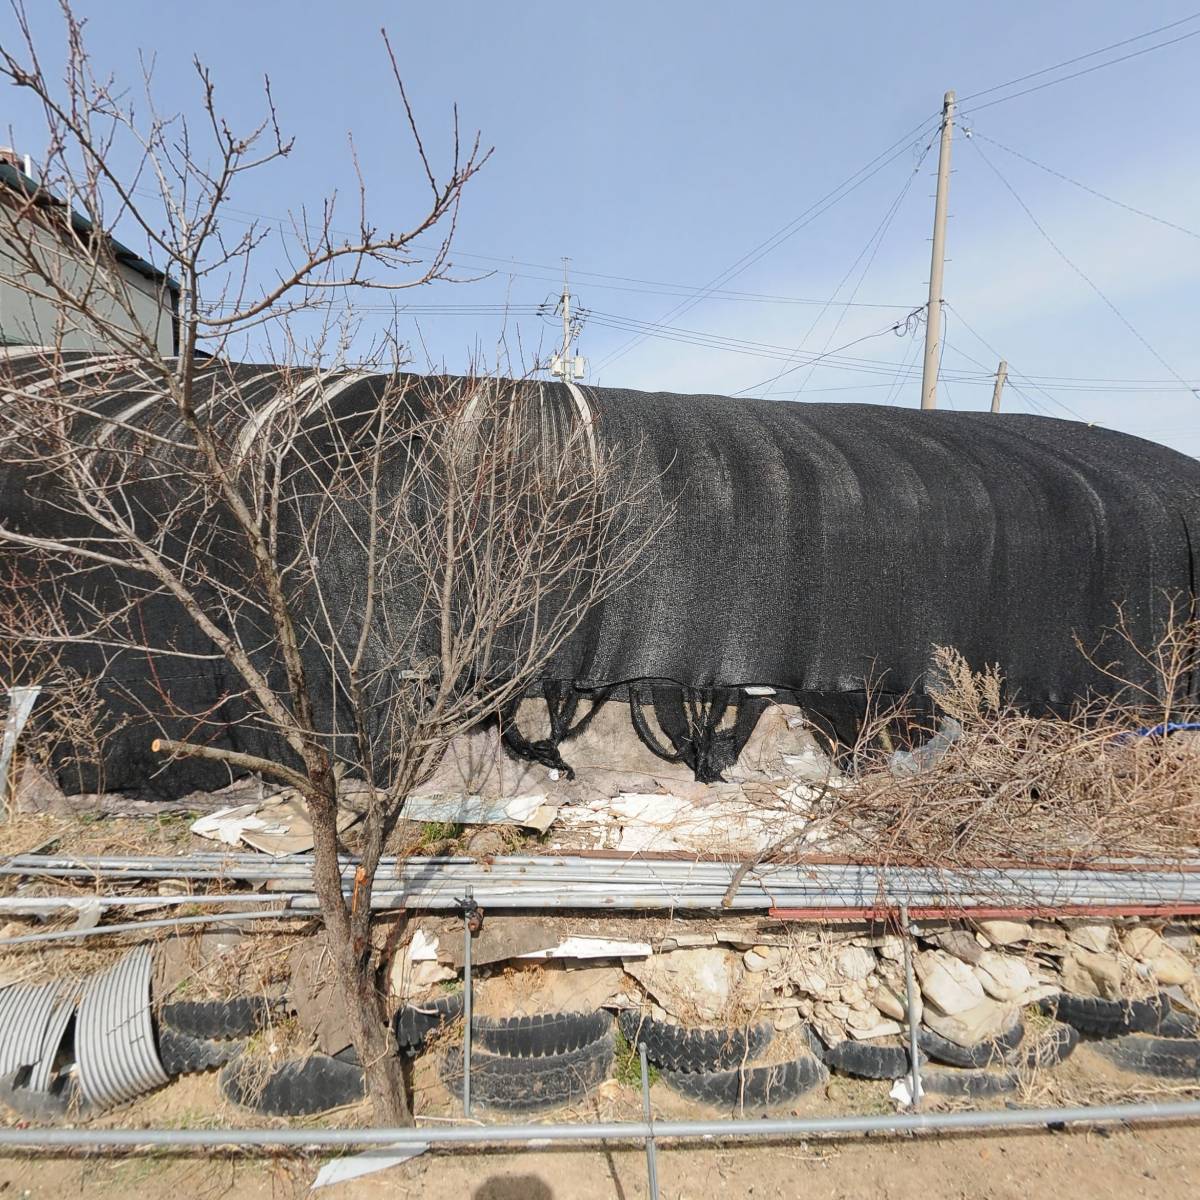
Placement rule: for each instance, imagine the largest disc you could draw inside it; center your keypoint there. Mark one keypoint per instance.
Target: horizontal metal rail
(541, 1136)
(567, 882)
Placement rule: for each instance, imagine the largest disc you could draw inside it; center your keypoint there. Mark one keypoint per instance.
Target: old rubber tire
(1176, 1024)
(1107, 1018)
(237, 1018)
(975, 1083)
(531, 1084)
(185, 1055)
(297, 1089)
(415, 1022)
(750, 1087)
(681, 1049)
(1054, 1046)
(1146, 1054)
(540, 1035)
(984, 1054)
(867, 1060)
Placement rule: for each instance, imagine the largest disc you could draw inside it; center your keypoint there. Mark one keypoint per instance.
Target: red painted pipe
(986, 912)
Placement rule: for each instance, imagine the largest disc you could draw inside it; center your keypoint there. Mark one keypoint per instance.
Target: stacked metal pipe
(573, 882)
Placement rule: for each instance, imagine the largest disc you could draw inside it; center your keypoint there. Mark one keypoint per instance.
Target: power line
(810, 214)
(908, 363)
(1141, 212)
(819, 357)
(651, 287)
(1033, 404)
(1139, 37)
(873, 244)
(1078, 270)
(751, 348)
(893, 370)
(1012, 371)
(624, 283)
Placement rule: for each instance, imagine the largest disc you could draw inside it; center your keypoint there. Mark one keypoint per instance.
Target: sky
(663, 147)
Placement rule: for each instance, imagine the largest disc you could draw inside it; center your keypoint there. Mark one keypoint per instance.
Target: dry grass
(1079, 788)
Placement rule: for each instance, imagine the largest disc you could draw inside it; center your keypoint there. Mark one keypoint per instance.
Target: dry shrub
(1014, 787)
(70, 722)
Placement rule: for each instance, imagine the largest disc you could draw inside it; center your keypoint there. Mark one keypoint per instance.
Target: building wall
(129, 301)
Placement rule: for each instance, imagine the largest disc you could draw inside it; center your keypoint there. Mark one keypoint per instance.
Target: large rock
(891, 947)
(763, 958)
(891, 1002)
(960, 943)
(864, 1026)
(1088, 974)
(981, 1022)
(947, 982)
(852, 993)
(1166, 965)
(1004, 976)
(702, 986)
(806, 978)
(1096, 936)
(1049, 934)
(1005, 933)
(855, 963)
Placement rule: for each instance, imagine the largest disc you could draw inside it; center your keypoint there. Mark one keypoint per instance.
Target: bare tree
(366, 563)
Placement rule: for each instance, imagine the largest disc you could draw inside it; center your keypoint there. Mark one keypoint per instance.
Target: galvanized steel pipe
(541, 1136)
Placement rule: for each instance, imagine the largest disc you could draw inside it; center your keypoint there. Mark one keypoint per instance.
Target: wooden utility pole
(1001, 375)
(933, 312)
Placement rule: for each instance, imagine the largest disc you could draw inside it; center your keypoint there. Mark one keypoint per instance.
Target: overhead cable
(873, 244)
(810, 214)
(1083, 58)
(1033, 162)
(1078, 270)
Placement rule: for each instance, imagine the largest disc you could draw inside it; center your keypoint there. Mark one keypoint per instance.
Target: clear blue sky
(664, 141)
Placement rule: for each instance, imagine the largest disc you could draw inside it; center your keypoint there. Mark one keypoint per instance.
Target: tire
(185, 1055)
(750, 1087)
(1176, 1024)
(415, 1022)
(541, 1035)
(532, 1084)
(1056, 1045)
(977, 1083)
(683, 1050)
(297, 1089)
(812, 1040)
(865, 1060)
(46, 1107)
(1107, 1018)
(984, 1054)
(1164, 1058)
(237, 1018)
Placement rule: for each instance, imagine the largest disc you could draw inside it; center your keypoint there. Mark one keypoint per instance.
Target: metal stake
(469, 918)
(651, 1149)
(910, 999)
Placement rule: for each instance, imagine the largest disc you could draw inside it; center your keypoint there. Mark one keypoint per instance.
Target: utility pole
(1001, 375)
(933, 312)
(564, 364)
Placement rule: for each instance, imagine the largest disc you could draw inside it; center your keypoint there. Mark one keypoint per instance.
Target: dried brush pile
(1010, 787)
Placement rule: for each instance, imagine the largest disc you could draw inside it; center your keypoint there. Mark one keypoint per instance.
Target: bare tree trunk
(353, 961)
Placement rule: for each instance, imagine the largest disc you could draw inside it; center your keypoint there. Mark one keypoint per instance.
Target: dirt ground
(1150, 1161)
(1113, 1163)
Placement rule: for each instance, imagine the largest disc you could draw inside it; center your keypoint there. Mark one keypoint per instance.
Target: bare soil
(1160, 1161)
